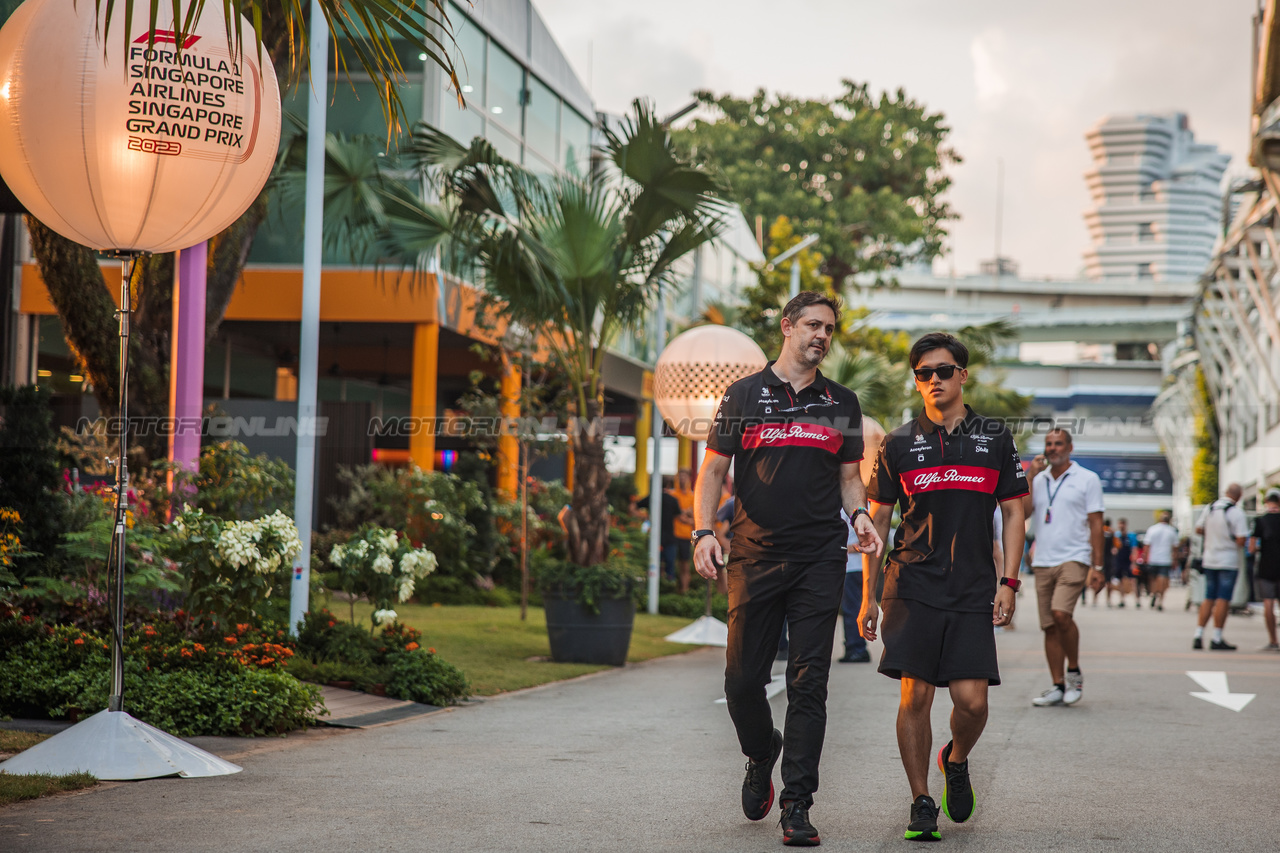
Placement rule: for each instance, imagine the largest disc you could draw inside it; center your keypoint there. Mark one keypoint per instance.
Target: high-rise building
(1157, 206)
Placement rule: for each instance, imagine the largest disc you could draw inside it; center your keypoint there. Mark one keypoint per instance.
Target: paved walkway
(643, 759)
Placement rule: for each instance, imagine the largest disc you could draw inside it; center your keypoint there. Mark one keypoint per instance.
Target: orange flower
(432, 651)
(186, 653)
(241, 628)
(332, 623)
(199, 647)
(78, 642)
(411, 647)
(231, 640)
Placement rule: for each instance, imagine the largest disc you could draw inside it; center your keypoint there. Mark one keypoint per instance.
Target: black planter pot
(578, 636)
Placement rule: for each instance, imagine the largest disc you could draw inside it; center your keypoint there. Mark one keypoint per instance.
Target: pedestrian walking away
(947, 470)
(1122, 551)
(1224, 528)
(1065, 505)
(1158, 545)
(1265, 545)
(795, 439)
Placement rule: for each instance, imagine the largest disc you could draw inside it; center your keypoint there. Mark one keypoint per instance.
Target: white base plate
(706, 631)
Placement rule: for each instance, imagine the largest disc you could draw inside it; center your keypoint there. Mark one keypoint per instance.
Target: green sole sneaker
(958, 800)
(924, 820)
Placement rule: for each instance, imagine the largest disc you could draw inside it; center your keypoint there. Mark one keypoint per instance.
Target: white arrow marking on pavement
(775, 686)
(1218, 692)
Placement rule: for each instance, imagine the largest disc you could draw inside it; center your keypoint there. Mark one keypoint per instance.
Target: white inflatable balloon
(143, 149)
(695, 369)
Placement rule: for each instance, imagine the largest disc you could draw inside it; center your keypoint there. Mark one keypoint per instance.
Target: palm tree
(575, 261)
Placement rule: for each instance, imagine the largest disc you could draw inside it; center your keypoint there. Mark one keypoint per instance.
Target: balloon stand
(706, 630)
(111, 744)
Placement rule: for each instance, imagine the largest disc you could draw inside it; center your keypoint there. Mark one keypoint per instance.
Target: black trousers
(761, 595)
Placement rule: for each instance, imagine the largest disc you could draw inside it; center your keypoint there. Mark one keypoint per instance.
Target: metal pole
(116, 700)
(309, 346)
(655, 484)
(795, 277)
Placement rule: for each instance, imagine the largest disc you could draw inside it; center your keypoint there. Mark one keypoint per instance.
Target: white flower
(406, 587)
(382, 617)
(382, 564)
(426, 563)
(337, 555)
(389, 542)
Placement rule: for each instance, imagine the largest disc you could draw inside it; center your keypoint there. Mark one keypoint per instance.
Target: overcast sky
(1018, 80)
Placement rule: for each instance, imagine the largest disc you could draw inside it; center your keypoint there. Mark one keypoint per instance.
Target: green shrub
(232, 484)
(184, 687)
(422, 676)
(693, 604)
(30, 476)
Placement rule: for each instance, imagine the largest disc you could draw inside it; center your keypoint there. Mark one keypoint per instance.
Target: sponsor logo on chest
(792, 435)
(965, 477)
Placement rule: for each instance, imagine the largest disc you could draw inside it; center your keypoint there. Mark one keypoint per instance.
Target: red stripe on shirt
(973, 478)
(718, 453)
(793, 435)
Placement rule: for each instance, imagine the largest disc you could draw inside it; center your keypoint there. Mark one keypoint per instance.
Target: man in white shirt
(1065, 505)
(1224, 528)
(1157, 551)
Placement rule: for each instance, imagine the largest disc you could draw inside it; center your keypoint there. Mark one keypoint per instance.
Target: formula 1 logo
(166, 37)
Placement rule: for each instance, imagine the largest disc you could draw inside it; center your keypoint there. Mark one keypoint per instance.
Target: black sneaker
(1222, 646)
(757, 788)
(957, 795)
(1197, 643)
(924, 820)
(860, 657)
(796, 829)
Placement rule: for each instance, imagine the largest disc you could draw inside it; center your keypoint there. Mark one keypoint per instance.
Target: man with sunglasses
(795, 439)
(949, 470)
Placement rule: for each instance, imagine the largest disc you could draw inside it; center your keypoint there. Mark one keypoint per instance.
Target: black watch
(862, 510)
(698, 534)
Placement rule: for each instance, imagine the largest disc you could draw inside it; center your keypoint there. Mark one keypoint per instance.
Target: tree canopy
(866, 173)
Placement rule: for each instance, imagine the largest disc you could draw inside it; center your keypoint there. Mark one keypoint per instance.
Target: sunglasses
(944, 371)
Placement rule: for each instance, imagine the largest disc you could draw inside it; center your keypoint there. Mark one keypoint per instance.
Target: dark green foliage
(331, 650)
(622, 489)
(588, 585)
(422, 676)
(233, 485)
(180, 686)
(30, 477)
(864, 172)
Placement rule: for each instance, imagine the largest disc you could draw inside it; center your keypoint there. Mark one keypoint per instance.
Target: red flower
(332, 623)
(411, 647)
(431, 651)
(78, 642)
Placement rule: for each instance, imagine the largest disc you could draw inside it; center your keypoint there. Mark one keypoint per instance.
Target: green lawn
(28, 787)
(492, 646)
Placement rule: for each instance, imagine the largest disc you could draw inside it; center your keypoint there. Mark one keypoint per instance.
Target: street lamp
(795, 265)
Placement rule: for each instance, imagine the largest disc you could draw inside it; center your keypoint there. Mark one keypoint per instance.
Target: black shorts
(935, 645)
(684, 549)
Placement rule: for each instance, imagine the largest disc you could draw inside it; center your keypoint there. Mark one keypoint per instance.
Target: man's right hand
(868, 619)
(706, 555)
(1038, 464)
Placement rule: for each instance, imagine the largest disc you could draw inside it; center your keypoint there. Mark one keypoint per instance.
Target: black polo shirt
(949, 485)
(788, 447)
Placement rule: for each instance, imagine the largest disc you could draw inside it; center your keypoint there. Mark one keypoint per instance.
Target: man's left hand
(1002, 613)
(868, 540)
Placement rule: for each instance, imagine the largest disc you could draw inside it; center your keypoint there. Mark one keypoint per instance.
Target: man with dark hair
(795, 439)
(1065, 504)
(949, 470)
(1224, 528)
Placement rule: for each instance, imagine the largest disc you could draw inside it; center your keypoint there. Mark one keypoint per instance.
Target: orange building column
(422, 399)
(508, 443)
(644, 427)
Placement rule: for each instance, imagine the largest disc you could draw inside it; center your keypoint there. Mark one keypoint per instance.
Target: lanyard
(1053, 493)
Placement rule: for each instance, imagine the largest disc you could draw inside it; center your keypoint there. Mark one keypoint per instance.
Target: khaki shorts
(1058, 588)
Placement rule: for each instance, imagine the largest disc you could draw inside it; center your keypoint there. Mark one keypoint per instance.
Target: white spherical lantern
(695, 370)
(136, 149)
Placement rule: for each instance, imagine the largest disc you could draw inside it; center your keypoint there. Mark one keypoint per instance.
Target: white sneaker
(1075, 687)
(1052, 696)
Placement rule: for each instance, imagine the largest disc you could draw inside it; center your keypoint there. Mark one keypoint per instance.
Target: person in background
(1125, 542)
(667, 538)
(1224, 528)
(1108, 561)
(683, 527)
(1157, 551)
(1066, 506)
(855, 647)
(1265, 544)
